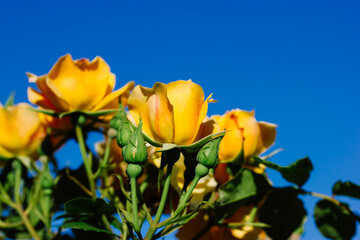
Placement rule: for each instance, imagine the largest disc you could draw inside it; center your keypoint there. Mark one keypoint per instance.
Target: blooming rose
(171, 113)
(21, 131)
(77, 85)
(243, 129)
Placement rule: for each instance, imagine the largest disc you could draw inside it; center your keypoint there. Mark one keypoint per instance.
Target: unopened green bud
(124, 133)
(209, 153)
(47, 182)
(135, 151)
(118, 118)
(81, 120)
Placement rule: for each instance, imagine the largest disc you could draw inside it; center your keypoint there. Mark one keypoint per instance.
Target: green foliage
(87, 227)
(346, 189)
(87, 207)
(297, 172)
(245, 188)
(283, 211)
(334, 221)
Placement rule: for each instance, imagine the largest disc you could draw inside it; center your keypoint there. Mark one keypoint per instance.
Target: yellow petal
(189, 107)
(81, 83)
(161, 114)
(56, 101)
(38, 99)
(137, 104)
(268, 135)
(231, 144)
(112, 98)
(21, 130)
(246, 121)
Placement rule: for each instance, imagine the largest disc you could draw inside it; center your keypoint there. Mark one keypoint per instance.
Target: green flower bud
(118, 118)
(81, 120)
(135, 151)
(124, 133)
(209, 153)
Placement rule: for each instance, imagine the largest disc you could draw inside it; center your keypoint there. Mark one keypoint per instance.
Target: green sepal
(346, 189)
(89, 113)
(297, 172)
(334, 221)
(46, 112)
(87, 227)
(148, 139)
(10, 101)
(196, 146)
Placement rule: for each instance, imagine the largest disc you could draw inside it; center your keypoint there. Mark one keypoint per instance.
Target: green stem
(134, 201)
(18, 169)
(86, 159)
(26, 222)
(182, 202)
(188, 193)
(153, 226)
(10, 224)
(106, 158)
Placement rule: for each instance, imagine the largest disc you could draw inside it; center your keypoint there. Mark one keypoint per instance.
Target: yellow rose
(242, 126)
(171, 113)
(21, 131)
(77, 85)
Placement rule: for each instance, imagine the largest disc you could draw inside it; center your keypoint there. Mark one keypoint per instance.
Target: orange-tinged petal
(38, 99)
(187, 99)
(137, 104)
(21, 131)
(109, 99)
(57, 102)
(246, 121)
(161, 114)
(268, 135)
(83, 85)
(231, 144)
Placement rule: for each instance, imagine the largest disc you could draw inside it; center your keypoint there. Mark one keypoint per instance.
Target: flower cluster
(162, 153)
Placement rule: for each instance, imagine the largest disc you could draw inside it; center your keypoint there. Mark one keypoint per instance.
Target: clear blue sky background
(297, 63)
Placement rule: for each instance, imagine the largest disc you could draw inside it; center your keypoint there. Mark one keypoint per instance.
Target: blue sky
(297, 63)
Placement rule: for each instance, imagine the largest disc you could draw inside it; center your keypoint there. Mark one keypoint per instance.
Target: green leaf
(115, 222)
(346, 189)
(10, 101)
(87, 227)
(334, 221)
(196, 146)
(86, 206)
(244, 185)
(297, 172)
(283, 211)
(245, 188)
